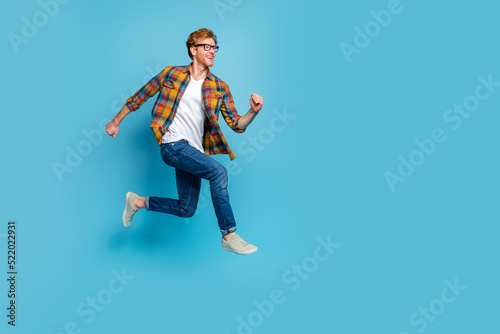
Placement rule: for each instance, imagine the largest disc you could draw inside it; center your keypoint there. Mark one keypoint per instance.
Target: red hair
(197, 35)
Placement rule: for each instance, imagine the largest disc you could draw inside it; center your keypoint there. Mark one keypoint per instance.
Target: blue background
(320, 174)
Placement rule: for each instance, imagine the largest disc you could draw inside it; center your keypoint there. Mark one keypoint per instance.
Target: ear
(193, 50)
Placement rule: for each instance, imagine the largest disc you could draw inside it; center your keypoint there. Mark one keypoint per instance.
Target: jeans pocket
(178, 147)
(167, 154)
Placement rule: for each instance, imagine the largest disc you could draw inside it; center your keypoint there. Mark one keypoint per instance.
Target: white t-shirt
(190, 118)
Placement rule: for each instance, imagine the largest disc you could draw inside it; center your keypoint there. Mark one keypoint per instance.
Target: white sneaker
(238, 245)
(129, 211)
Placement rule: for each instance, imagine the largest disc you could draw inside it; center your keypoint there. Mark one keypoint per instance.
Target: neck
(198, 71)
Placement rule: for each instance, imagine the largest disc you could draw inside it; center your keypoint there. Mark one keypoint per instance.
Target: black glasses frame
(208, 47)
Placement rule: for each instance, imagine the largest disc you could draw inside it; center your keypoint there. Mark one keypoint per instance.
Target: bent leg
(189, 160)
(188, 188)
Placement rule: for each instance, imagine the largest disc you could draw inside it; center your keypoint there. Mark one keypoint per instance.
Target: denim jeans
(191, 166)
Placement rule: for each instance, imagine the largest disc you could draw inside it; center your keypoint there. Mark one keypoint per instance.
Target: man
(185, 124)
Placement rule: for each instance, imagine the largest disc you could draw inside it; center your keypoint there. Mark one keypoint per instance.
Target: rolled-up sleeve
(228, 110)
(148, 90)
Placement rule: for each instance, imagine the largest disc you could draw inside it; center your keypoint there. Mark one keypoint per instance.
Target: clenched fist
(256, 102)
(112, 129)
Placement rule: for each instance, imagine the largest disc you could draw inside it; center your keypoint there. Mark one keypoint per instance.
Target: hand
(112, 129)
(256, 102)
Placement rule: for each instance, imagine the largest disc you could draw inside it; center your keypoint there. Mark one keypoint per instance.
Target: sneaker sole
(251, 251)
(125, 210)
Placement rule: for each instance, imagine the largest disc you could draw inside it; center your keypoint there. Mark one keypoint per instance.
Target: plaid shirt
(216, 97)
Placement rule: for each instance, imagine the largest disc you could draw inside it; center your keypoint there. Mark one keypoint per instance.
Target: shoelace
(239, 241)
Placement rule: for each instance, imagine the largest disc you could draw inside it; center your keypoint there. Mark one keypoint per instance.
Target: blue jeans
(191, 166)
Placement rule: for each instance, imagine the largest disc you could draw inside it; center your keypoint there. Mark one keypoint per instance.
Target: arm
(135, 101)
(256, 103)
(112, 127)
(236, 122)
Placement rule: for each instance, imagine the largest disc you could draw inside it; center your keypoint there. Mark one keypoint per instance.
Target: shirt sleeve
(228, 110)
(147, 91)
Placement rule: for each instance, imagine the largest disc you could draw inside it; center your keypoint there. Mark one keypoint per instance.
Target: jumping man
(185, 124)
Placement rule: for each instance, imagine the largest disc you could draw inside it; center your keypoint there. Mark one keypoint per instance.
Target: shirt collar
(210, 76)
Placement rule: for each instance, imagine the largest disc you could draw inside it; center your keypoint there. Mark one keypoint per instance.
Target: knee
(221, 176)
(188, 214)
(187, 211)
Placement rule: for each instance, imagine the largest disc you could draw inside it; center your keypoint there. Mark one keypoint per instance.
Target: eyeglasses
(208, 47)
